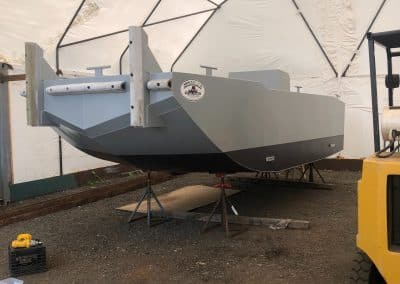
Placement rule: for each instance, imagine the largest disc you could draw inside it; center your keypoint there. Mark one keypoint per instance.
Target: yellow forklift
(378, 238)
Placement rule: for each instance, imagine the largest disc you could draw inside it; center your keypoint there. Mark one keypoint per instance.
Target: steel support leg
(310, 168)
(222, 202)
(318, 172)
(148, 194)
(311, 174)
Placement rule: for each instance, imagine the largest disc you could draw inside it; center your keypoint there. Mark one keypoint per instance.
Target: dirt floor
(94, 243)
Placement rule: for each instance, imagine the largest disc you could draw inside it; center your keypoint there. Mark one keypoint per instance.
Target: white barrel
(159, 84)
(390, 121)
(86, 88)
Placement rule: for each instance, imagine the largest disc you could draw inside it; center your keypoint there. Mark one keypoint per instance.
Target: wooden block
(183, 199)
(272, 223)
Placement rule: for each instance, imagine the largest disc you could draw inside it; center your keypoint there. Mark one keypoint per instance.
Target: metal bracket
(298, 88)
(98, 70)
(209, 69)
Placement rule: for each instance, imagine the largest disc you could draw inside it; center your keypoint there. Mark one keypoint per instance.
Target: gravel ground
(94, 243)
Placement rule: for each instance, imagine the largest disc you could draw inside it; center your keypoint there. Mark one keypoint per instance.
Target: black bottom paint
(288, 155)
(285, 156)
(187, 163)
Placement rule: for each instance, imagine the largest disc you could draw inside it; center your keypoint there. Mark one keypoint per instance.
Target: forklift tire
(364, 271)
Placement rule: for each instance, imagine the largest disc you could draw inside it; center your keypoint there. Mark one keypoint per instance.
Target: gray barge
(179, 121)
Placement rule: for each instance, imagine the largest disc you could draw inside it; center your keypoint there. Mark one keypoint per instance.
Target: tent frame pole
(63, 36)
(145, 24)
(374, 92)
(390, 73)
(212, 10)
(315, 38)
(363, 38)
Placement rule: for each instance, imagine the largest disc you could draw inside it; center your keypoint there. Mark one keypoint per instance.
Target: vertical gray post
(374, 93)
(141, 63)
(33, 54)
(37, 70)
(5, 140)
(137, 41)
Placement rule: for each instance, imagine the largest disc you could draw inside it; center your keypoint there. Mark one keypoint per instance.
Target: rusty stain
(89, 11)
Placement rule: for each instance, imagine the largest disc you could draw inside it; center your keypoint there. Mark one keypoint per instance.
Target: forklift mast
(388, 40)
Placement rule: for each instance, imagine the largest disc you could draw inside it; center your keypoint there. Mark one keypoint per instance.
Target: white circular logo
(192, 90)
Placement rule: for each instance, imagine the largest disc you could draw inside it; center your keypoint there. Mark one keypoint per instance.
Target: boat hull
(239, 126)
(294, 154)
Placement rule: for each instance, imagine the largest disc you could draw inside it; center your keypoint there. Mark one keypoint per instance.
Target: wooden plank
(10, 78)
(26, 190)
(183, 199)
(75, 197)
(273, 223)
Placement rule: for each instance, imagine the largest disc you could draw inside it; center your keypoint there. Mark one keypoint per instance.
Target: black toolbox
(27, 260)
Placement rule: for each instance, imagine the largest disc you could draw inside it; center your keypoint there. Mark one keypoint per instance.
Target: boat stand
(311, 168)
(256, 183)
(223, 203)
(267, 175)
(148, 194)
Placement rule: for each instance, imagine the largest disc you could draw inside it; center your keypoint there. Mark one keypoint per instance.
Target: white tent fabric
(257, 34)
(242, 35)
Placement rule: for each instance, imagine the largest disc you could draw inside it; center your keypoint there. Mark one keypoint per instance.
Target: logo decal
(192, 90)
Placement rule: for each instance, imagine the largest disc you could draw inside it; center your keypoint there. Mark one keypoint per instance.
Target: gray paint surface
(238, 114)
(37, 70)
(5, 139)
(233, 117)
(254, 115)
(116, 137)
(87, 110)
(271, 79)
(141, 63)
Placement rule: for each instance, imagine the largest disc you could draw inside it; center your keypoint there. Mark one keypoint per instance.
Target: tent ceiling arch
(175, 9)
(154, 17)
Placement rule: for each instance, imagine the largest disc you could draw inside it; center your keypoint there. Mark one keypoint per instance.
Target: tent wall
(243, 35)
(35, 149)
(248, 35)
